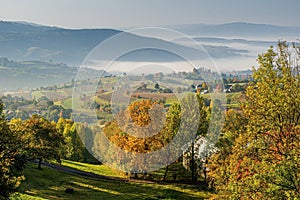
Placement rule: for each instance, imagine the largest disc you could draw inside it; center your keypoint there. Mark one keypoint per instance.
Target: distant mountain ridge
(240, 30)
(13, 27)
(25, 41)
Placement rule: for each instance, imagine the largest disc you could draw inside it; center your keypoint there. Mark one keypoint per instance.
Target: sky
(138, 13)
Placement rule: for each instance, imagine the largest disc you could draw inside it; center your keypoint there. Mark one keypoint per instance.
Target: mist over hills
(240, 30)
(52, 51)
(20, 75)
(25, 41)
(21, 41)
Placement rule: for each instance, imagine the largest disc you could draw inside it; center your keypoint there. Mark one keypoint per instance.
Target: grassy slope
(95, 169)
(67, 103)
(50, 184)
(175, 168)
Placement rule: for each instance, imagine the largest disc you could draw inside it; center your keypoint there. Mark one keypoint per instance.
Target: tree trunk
(205, 174)
(165, 175)
(40, 164)
(193, 165)
(205, 169)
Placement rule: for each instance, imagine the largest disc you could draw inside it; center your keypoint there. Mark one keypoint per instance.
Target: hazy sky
(128, 13)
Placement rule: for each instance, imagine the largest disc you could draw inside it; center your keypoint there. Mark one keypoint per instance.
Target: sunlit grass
(67, 103)
(50, 184)
(95, 169)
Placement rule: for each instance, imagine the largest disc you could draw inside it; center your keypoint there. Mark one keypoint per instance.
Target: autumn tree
(264, 159)
(134, 128)
(204, 86)
(235, 123)
(42, 139)
(144, 127)
(11, 160)
(141, 128)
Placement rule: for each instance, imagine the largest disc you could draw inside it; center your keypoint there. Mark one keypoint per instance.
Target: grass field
(175, 168)
(67, 103)
(95, 169)
(50, 184)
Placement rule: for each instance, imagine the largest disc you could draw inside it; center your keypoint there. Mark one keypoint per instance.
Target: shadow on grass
(51, 184)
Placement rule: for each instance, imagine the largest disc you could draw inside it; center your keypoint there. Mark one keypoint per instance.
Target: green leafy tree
(171, 128)
(194, 107)
(42, 139)
(11, 161)
(73, 149)
(86, 134)
(235, 123)
(264, 160)
(205, 142)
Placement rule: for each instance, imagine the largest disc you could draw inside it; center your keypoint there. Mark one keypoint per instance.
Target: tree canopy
(42, 140)
(259, 158)
(11, 160)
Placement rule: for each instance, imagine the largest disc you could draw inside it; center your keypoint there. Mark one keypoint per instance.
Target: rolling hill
(25, 41)
(39, 51)
(240, 30)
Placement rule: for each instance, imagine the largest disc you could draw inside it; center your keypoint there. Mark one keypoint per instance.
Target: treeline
(19, 107)
(37, 139)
